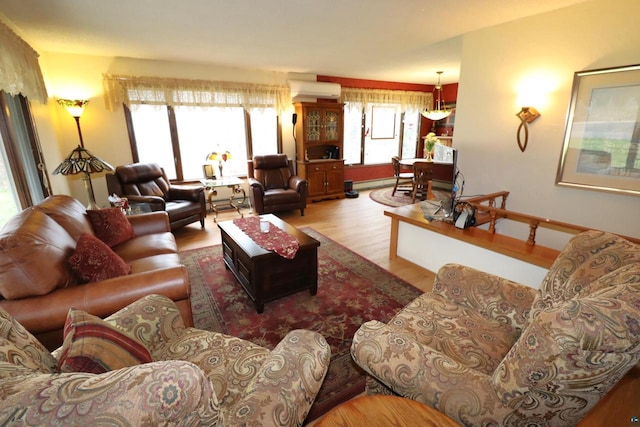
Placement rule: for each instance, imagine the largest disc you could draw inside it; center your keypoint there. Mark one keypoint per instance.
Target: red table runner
(276, 240)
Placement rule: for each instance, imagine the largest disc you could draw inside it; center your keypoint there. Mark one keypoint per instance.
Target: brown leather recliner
(273, 185)
(148, 183)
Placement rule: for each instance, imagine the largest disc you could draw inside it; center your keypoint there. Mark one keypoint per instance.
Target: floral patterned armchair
(196, 377)
(491, 352)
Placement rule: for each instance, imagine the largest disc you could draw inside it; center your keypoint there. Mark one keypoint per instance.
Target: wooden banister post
(533, 225)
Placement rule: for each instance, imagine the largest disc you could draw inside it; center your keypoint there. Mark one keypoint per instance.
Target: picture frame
(600, 150)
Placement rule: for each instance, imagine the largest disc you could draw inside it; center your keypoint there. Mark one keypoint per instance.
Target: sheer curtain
(130, 90)
(406, 100)
(20, 72)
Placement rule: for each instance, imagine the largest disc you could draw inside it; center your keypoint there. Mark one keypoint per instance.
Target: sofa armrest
(490, 295)
(296, 182)
(186, 192)
(156, 203)
(418, 372)
(254, 183)
(256, 194)
(150, 223)
(158, 393)
(282, 393)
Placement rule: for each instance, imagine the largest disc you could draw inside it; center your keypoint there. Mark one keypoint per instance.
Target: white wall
(104, 132)
(549, 47)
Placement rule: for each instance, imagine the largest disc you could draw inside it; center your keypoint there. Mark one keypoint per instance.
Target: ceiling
(400, 41)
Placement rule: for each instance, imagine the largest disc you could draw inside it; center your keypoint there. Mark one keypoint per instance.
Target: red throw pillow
(94, 261)
(95, 346)
(110, 225)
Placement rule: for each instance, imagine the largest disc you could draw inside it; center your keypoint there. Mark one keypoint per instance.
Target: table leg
(393, 239)
(236, 189)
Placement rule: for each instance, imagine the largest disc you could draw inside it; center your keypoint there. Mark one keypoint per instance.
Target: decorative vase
(427, 156)
(220, 168)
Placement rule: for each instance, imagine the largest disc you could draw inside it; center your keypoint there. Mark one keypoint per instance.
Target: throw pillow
(110, 225)
(94, 346)
(94, 261)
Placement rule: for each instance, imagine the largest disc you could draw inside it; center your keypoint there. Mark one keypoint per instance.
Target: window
(198, 132)
(23, 179)
(381, 131)
(177, 122)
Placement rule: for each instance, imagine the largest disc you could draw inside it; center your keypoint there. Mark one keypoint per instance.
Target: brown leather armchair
(148, 183)
(273, 185)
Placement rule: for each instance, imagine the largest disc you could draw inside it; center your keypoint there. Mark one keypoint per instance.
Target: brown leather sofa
(148, 183)
(37, 286)
(273, 186)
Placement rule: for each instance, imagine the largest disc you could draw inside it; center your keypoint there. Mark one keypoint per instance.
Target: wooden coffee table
(383, 411)
(264, 274)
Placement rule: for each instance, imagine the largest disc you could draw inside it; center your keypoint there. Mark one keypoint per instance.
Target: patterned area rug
(383, 196)
(401, 198)
(351, 291)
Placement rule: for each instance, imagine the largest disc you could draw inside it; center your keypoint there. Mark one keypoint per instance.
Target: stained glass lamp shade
(82, 161)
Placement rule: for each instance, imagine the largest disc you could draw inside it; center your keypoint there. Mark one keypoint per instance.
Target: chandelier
(440, 112)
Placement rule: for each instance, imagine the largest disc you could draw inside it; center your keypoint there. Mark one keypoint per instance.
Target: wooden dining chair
(404, 180)
(422, 175)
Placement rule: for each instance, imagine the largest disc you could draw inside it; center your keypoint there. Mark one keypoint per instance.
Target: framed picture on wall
(600, 149)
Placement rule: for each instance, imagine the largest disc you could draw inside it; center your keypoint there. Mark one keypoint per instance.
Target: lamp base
(86, 180)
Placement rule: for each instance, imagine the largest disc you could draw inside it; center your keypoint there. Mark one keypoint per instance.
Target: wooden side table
(233, 183)
(383, 411)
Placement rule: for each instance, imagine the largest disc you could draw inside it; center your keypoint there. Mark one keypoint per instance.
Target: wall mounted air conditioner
(311, 89)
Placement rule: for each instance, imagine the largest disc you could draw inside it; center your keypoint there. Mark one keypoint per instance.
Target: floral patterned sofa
(490, 352)
(195, 377)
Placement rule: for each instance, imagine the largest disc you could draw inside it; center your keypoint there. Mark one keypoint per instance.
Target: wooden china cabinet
(319, 148)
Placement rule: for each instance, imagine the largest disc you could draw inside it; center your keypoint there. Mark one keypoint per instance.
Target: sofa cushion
(33, 253)
(586, 257)
(94, 346)
(68, 212)
(464, 335)
(110, 225)
(146, 246)
(19, 347)
(94, 261)
(579, 349)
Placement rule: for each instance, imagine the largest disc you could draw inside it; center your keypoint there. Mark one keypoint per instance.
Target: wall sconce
(526, 116)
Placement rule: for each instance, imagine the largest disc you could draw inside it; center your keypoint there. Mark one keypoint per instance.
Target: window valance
(408, 100)
(19, 68)
(132, 90)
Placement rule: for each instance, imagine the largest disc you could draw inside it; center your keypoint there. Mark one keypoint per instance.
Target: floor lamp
(81, 160)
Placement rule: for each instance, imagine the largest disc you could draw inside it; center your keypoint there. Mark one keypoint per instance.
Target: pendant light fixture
(440, 112)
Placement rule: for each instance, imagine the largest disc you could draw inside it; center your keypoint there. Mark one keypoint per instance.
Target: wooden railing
(494, 214)
(483, 215)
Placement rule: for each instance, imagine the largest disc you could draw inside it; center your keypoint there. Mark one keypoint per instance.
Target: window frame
(363, 121)
(13, 145)
(175, 142)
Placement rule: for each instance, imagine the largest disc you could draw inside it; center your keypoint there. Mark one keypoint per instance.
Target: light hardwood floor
(360, 225)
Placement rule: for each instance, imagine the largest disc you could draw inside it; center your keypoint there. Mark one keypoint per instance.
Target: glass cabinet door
(331, 125)
(314, 125)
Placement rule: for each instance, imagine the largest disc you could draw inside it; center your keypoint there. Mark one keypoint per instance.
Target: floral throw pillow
(110, 225)
(94, 346)
(94, 261)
